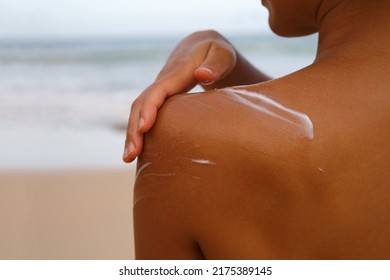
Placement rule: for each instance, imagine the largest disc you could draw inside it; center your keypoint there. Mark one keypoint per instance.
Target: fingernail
(128, 150)
(208, 70)
(207, 83)
(141, 123)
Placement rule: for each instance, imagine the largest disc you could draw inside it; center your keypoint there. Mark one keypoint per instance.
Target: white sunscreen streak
(271, 107)
(142, 168)
(152, 174)
(203, 161)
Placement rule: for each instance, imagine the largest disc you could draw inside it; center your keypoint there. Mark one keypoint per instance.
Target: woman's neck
(353, 29)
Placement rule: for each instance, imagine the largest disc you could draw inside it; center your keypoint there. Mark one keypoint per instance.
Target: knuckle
(211, 33)
(208, 33)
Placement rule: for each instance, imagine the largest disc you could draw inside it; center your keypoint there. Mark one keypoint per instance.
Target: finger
(148, 111)
(218, 63)
(177, 82)
(133, 143)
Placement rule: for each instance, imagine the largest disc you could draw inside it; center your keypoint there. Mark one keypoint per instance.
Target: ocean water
(65, 103)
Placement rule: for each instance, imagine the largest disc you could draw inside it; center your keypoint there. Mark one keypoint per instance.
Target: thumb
(220, 60)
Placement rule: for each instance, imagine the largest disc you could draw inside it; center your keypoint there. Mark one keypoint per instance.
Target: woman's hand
(203, 57)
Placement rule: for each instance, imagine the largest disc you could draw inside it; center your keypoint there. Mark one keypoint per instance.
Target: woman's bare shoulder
(214, 155)
(235, 126)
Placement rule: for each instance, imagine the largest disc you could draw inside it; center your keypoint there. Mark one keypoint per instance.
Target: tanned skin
(219, 178)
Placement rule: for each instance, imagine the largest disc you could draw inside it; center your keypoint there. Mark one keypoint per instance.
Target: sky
(102, 18)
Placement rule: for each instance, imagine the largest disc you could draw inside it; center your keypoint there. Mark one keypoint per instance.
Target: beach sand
(69, 214)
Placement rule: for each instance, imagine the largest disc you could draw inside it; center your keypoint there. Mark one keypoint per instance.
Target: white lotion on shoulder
(203, 161)
(275, 109)
(141, 169)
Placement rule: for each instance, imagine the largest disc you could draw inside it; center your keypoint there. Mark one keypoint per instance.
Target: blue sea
(65, 103)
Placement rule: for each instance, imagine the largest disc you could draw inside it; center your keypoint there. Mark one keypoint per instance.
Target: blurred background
(69, 70)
